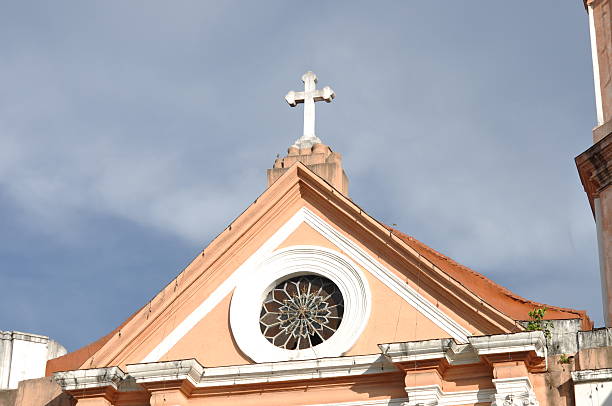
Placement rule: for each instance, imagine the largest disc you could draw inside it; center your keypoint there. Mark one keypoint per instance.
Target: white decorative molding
(432, 395)
(514, 342)
(89, 378)
(514, 392)
(185, 369)
(356, 253)
(287, 263)
(508, 392)
(455, 354)
(286, 371)
(416, 350)
(592, 375)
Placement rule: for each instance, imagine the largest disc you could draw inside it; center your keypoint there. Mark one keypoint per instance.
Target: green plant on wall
(537, 322)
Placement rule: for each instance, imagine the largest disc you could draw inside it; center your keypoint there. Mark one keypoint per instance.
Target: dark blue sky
(132, 133)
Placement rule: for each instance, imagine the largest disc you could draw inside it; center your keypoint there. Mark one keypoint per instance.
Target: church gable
(390, 294)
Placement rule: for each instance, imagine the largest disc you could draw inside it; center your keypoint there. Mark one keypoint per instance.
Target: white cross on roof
(309, 96)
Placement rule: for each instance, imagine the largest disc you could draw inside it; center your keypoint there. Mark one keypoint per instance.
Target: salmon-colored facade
(420, 328)
(305, 299)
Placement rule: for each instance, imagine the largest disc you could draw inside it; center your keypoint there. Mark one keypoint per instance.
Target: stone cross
(309, 96)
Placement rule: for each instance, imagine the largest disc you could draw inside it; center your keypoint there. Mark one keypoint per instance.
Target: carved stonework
(514, 392)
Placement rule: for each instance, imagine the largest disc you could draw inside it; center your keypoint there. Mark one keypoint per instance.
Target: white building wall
(593, 387)
(593, 394)
(24, 356)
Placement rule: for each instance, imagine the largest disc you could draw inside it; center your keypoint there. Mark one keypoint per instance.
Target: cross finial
(309, 96)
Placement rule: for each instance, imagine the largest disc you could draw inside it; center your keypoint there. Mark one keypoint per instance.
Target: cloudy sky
(131, 133)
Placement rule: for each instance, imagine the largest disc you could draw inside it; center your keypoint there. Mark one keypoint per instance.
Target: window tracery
(301, 312)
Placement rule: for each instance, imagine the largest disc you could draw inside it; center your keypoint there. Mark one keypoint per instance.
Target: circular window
(301, 312)
(299, 302)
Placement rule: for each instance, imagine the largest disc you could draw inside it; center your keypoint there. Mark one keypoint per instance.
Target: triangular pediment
(396, 293)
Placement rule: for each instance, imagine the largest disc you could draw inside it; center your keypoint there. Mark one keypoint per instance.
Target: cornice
(285, 371)
(509, 343)
(189, 376)
(180, 370)
(18, 335)
(592, 375)
(416, 350)
(595, 169)
(82, 379)
(477, 349)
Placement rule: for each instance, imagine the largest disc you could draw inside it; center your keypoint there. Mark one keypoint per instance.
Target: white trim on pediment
(353, 251)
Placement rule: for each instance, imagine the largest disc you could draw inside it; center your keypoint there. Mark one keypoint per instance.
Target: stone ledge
(460, 354)
(592, 375)
(507, 343)
(89, 378)
(199, 376)
(18, 335)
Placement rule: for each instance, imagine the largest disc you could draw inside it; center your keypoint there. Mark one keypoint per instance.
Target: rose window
(301, 312)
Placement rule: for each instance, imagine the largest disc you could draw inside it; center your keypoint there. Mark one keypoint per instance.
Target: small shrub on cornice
(537, 322)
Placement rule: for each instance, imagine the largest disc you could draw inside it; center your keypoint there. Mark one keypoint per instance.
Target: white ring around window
(286, 263)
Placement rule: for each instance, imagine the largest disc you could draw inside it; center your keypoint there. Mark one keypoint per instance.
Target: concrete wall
(8, 397)
(594, 394)
(36, 392)
(594, 388)
(24, 356)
